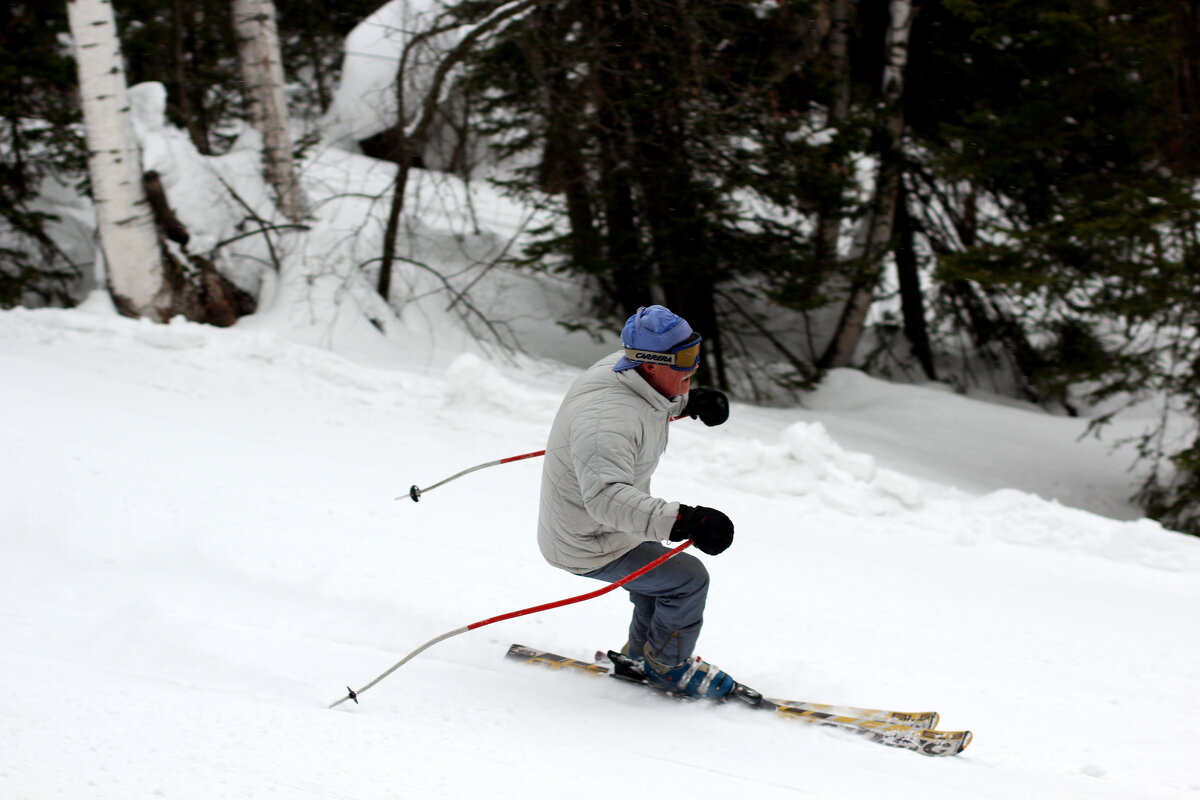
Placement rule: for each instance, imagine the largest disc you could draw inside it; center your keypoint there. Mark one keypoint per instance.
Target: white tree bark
(128, 236)
(266, 106)
(880, 220)
(829, 224)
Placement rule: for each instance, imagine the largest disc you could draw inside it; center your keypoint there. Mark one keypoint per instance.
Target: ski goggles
(682, 358)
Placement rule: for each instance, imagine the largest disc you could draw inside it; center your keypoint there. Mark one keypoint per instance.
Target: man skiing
(597, 516)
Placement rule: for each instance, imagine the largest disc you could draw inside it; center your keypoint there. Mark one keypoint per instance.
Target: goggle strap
(665, 359)
(650, 357)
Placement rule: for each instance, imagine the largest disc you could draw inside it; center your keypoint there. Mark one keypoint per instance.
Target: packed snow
(203, 547)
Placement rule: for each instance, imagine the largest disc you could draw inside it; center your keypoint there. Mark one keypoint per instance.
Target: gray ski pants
(668, 601)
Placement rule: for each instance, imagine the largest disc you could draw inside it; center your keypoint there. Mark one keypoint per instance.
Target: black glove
(711, 530)
(710, 405)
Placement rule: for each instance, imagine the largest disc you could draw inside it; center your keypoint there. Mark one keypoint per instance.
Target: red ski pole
(353, 695)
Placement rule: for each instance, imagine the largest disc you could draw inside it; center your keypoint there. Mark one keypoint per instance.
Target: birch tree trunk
(133, 256)
(881, 217)
(829, 221)
(266, 106)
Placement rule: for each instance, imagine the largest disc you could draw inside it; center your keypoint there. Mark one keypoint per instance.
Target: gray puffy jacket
(603, 447)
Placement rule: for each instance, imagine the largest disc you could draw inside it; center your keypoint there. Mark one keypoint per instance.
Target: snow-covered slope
(202, 548)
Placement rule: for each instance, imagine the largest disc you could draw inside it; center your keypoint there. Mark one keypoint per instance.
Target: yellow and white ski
(910, 730)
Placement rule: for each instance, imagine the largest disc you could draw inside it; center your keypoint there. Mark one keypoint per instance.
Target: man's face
(666, 381)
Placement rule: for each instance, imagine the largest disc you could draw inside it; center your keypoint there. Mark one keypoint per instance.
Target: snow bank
(1021, 518)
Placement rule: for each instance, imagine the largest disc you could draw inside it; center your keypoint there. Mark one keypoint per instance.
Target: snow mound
(1021, 518)
(806, 461)
(475, 385)
(372, 55)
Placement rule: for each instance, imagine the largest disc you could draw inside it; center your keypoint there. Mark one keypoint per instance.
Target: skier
(597, 516)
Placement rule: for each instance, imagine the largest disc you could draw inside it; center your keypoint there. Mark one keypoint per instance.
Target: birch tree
(829, 218)
(266, 106)
(129, 242)
(877, 226)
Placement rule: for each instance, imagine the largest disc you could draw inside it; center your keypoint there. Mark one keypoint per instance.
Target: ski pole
(353, 695)
(415, 492)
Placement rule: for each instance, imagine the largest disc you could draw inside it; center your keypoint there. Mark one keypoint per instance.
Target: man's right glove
(711, 530)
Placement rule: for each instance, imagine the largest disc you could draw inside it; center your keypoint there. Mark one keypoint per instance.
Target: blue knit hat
(653, 328)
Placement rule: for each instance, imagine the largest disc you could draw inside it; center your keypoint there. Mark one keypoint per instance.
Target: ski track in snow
(203, 546)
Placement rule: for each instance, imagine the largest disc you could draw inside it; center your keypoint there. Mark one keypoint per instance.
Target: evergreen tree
(673, 141)
(1053, 139)
(39, 141)
(189, 46)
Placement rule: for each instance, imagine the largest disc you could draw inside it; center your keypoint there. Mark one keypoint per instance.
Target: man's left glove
(710, 529)
(710, 405)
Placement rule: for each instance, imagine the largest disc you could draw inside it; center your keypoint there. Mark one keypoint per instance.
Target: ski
(909, 730)
(924, 720)
(799, 708)
(926, 741)
(533, 656)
